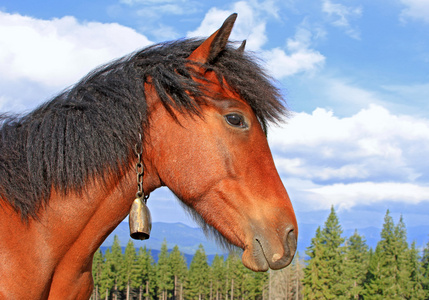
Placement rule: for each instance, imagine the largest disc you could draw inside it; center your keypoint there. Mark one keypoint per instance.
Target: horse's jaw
(266, 233)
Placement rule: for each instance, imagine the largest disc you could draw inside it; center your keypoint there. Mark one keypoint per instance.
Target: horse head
(218, 162)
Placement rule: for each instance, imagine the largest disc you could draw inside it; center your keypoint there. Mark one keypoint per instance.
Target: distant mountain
(188, 238)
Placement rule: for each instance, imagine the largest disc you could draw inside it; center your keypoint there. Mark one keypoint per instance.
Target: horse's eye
(236, 120)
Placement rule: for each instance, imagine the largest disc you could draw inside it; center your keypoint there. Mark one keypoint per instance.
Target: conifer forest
(333, 267)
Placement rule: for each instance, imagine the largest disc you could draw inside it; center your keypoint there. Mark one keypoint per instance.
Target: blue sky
(354, 74)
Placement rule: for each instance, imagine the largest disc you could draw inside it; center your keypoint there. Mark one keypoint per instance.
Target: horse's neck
(94, 214)
(55, 252)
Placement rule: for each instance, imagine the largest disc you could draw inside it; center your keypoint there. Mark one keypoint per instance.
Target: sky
(354, 75)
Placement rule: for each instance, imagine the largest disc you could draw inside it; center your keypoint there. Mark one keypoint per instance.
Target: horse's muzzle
(274, 251)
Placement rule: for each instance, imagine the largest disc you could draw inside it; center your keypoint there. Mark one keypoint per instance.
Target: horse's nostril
(280, 260)
(291, 240)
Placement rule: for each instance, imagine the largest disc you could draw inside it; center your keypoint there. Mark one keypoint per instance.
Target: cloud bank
(370, 157)
(41, 57)
(49, 55)
(59, 51)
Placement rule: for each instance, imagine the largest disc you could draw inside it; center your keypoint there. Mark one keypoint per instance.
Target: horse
(198, 110)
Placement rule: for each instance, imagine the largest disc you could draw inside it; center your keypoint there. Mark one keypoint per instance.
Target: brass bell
(140, 220)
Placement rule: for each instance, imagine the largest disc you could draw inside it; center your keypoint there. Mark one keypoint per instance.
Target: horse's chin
(254, 258)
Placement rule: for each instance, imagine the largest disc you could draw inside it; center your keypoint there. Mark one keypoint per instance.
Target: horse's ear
(241, 48)
(212, 46)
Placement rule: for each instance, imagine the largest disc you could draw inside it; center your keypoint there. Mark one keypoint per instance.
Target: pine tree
(242, 280)
(164, 280)
(404, 285)
(107, 276)
(425, 270)
(334, 256)
(315, 271)
(236, 276)
(179, 270)
(116, 266)
(379, 276)
(217, 275)
(97, 267)
(198, 275)
(257, 285)
(372, 288)
(129, 269)
(388, 273)
(146, 274)
(356, 265)
(229, 276)
(415, 290)
(324, 277)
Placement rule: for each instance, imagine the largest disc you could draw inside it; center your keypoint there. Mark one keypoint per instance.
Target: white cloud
(165, 33)
(416, 9)
(151, 2)
(340, 16)
(343, 91)
(299, 167)
(346, 196)
(307, 196)
(370, 157)
(58, 52)
(173, 7)
(249, 26)
(301, 58)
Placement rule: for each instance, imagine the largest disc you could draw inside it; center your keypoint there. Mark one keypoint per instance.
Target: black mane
(89, 131)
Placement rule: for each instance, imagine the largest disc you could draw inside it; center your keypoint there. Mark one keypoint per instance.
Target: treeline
(135, 275)
(335, 268)
(339, 268)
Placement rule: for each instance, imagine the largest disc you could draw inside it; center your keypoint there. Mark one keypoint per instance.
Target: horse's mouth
(260, 255)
